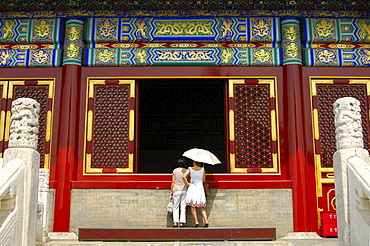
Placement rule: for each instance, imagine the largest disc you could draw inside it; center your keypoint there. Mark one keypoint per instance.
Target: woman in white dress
(195, 196)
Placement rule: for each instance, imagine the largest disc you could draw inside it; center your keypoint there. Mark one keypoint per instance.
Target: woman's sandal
(196, 225)
(182, 224)
(206, 225)
(174, 225)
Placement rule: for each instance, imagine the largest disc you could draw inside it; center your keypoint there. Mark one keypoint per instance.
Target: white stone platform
(292, 239)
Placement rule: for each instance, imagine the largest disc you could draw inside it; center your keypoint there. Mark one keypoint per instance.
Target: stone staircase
(292, 239)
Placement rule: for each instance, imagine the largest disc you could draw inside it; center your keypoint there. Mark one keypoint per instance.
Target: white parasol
(201, 155)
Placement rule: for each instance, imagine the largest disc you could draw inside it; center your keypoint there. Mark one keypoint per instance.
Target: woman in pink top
(178, 191)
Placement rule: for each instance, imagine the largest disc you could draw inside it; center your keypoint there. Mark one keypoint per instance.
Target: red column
(67, 146)
(300, 169)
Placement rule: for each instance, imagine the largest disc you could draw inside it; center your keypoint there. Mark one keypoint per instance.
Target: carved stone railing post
(43, 198)
(348, 129)
(349, 144)
(23, 144)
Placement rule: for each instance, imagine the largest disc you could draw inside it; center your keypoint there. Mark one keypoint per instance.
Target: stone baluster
(23, 144)
(349, 142)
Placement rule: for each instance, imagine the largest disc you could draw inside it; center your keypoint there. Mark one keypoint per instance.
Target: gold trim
(5, 89)
(273, 125)
(8, 94)
(132, 86)
(317, 161)
(315, 115)
(269, 170)
(231, 125)
(231, 89)
(88, 166)
(326, 80)
(12, 83)
(241, 78)
(332, 203)
(327, 181)
(319, 210)
(130, 165)
(361, 81)
(2, 122)
(316, 82)
(269, 82)
(327, 169)
(232, 162)
(90, 116)
(330, 175)
(48, 83)
(48, 126)
(275, 162)
(233, 82)
(327, 198)
(131, 132)
(92, 84)
(7, 125)
(46, 161)
(89, 127)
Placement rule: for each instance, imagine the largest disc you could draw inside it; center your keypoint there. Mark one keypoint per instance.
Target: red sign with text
(329, 224)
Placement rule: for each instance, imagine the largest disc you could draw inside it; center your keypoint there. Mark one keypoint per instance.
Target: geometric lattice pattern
(111, 126)
(40, 94)
(252, 126)
(326, 96)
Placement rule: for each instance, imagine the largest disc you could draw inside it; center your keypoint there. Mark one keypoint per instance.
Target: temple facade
(125, 88)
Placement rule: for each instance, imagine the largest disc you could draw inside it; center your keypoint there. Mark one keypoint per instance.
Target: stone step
(323, 242)
(292, 239)
(178, 234)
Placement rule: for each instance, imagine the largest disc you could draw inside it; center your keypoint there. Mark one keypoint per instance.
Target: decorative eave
(186, 13)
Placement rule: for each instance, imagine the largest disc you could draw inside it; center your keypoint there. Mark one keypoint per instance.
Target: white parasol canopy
(201, 155)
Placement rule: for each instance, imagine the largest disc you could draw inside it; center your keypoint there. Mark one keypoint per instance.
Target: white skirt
(195, 196)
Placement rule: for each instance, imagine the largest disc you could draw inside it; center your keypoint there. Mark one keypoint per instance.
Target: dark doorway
(176, 115)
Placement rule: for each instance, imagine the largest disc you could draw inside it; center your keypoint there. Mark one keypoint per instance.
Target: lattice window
(326, 96)
(324, 93)
(42, 92)
(110, 127)
(254, 124)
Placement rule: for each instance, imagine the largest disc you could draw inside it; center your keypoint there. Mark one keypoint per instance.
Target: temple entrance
(176, 115)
